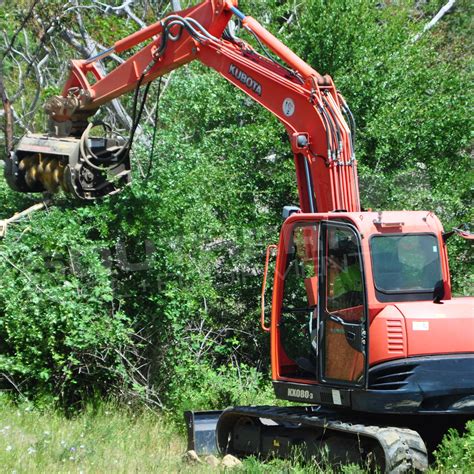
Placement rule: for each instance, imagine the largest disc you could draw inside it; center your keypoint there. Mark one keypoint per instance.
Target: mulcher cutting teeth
(87, 168)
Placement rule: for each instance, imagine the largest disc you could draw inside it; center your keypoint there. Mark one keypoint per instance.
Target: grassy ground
(107, 440)
(111, 439)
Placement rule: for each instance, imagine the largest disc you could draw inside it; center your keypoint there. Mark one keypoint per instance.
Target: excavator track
(271, 431)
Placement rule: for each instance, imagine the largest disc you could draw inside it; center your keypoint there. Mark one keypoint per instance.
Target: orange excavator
(364, 329)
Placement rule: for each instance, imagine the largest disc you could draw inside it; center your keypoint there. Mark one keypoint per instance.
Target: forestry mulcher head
(86, 167)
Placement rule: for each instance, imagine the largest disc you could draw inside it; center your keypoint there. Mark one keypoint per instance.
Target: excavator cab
(320, 319)
(341, 276)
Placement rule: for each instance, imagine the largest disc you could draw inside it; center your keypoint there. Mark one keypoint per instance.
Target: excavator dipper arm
(308, 105)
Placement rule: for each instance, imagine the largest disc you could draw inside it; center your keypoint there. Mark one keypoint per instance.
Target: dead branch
(124, 8)
(88, 47)
(37, 58)
(288, 21)
(19, 215)
(176, 5)
(19, 120)
(8, 120)
(13, 384)
(443, 11)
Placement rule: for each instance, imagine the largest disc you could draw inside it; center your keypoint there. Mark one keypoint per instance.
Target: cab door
(343, 308)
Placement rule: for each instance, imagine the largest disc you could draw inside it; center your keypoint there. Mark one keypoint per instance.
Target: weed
(455, 454)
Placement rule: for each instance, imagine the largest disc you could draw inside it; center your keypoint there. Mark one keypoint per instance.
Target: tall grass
(118, 439)
(111, 438)
(99, 440)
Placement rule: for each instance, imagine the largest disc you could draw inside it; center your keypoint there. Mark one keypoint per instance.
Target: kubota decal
(245, 79)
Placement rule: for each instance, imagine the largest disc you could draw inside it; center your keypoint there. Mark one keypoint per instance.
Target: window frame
(323, 311)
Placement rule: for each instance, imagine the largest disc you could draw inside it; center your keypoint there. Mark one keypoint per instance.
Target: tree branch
(125, 8)
(443, 11)
(176, 5)
(8, 120)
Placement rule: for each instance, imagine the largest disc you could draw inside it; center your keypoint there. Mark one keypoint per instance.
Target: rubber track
(404, 449)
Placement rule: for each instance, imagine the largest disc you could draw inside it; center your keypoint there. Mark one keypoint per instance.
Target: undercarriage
(390, 443)
(394, 425)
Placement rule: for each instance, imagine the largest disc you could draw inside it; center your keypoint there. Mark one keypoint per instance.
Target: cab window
(405, 263)
(344, 276)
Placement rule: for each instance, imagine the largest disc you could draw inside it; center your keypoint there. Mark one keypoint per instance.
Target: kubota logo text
(245, 79)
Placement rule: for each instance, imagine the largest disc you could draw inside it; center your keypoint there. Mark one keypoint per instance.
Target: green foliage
(59, 319)
(207, 388)
(456, 453)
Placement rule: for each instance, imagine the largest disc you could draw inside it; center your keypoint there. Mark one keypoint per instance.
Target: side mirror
(288, 211)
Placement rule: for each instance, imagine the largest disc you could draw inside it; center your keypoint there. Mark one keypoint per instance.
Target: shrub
(456, 453)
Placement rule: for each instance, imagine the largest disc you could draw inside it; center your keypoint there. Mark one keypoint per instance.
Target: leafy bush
(456, 453)
(205, 387)
(60, 325)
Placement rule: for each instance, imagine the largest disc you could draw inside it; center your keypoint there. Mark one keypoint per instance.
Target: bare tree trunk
(8, 121)
(176, 5)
